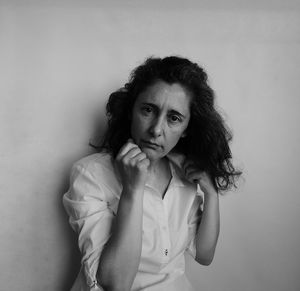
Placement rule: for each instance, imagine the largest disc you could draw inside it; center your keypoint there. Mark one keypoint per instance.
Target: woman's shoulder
(93, 177)
(98, 169)
(96, 162)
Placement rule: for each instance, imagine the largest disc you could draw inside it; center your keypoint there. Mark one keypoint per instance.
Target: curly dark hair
(207, 137)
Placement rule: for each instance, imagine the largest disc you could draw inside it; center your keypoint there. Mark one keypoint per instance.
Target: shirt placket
(164, 232)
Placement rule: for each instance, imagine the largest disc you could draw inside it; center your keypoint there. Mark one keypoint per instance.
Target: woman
(151, 192)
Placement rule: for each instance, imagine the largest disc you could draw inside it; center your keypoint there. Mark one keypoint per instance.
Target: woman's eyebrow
(178, 113)
(173, 111)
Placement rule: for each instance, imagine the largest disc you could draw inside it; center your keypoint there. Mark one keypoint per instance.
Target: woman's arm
(209, 227)
(120, 257)
(208, 230)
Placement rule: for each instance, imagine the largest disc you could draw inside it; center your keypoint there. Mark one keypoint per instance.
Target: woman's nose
(157, 127)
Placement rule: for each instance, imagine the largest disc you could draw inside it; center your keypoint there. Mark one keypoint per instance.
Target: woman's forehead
(162, 94)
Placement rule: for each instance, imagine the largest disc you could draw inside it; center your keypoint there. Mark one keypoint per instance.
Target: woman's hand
(194, 175)
(132, 165)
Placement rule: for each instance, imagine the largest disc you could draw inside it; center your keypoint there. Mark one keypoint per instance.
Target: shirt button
(166, 252)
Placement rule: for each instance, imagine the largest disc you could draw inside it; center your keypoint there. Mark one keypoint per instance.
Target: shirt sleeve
(90, 217)
(194, 221)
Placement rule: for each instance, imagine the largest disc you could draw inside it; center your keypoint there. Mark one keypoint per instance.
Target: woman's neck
(160, 176)
(159, 168)
(157, 165)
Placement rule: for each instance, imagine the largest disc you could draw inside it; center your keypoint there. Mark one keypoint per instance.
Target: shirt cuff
(90, 278)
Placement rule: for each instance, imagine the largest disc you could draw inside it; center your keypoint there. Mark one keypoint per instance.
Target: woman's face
(160, 117)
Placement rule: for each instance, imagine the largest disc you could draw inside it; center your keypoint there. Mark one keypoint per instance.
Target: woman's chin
(151, 154)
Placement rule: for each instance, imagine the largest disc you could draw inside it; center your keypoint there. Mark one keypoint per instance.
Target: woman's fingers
(126, 147)
(189, 168)
(131, 155)
(188, 165)
(187, 162)
(139, 156)
(192, 173)
(194, 176)
(143, 163)
(133, 166)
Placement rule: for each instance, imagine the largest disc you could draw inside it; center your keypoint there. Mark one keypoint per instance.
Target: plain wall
(59, 62)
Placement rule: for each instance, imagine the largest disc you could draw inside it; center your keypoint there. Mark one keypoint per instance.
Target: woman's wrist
(132, 192)
(210, 193)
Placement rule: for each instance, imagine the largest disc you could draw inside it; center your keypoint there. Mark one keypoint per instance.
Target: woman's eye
(147, 109)
(174, 118)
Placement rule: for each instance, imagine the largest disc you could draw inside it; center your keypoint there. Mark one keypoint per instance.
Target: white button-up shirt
(169, 224)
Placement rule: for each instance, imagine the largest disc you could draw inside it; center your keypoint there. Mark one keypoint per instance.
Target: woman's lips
(150, 144)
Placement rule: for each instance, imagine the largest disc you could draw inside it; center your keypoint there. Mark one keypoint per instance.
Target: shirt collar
(176, 161)
(178, 179)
